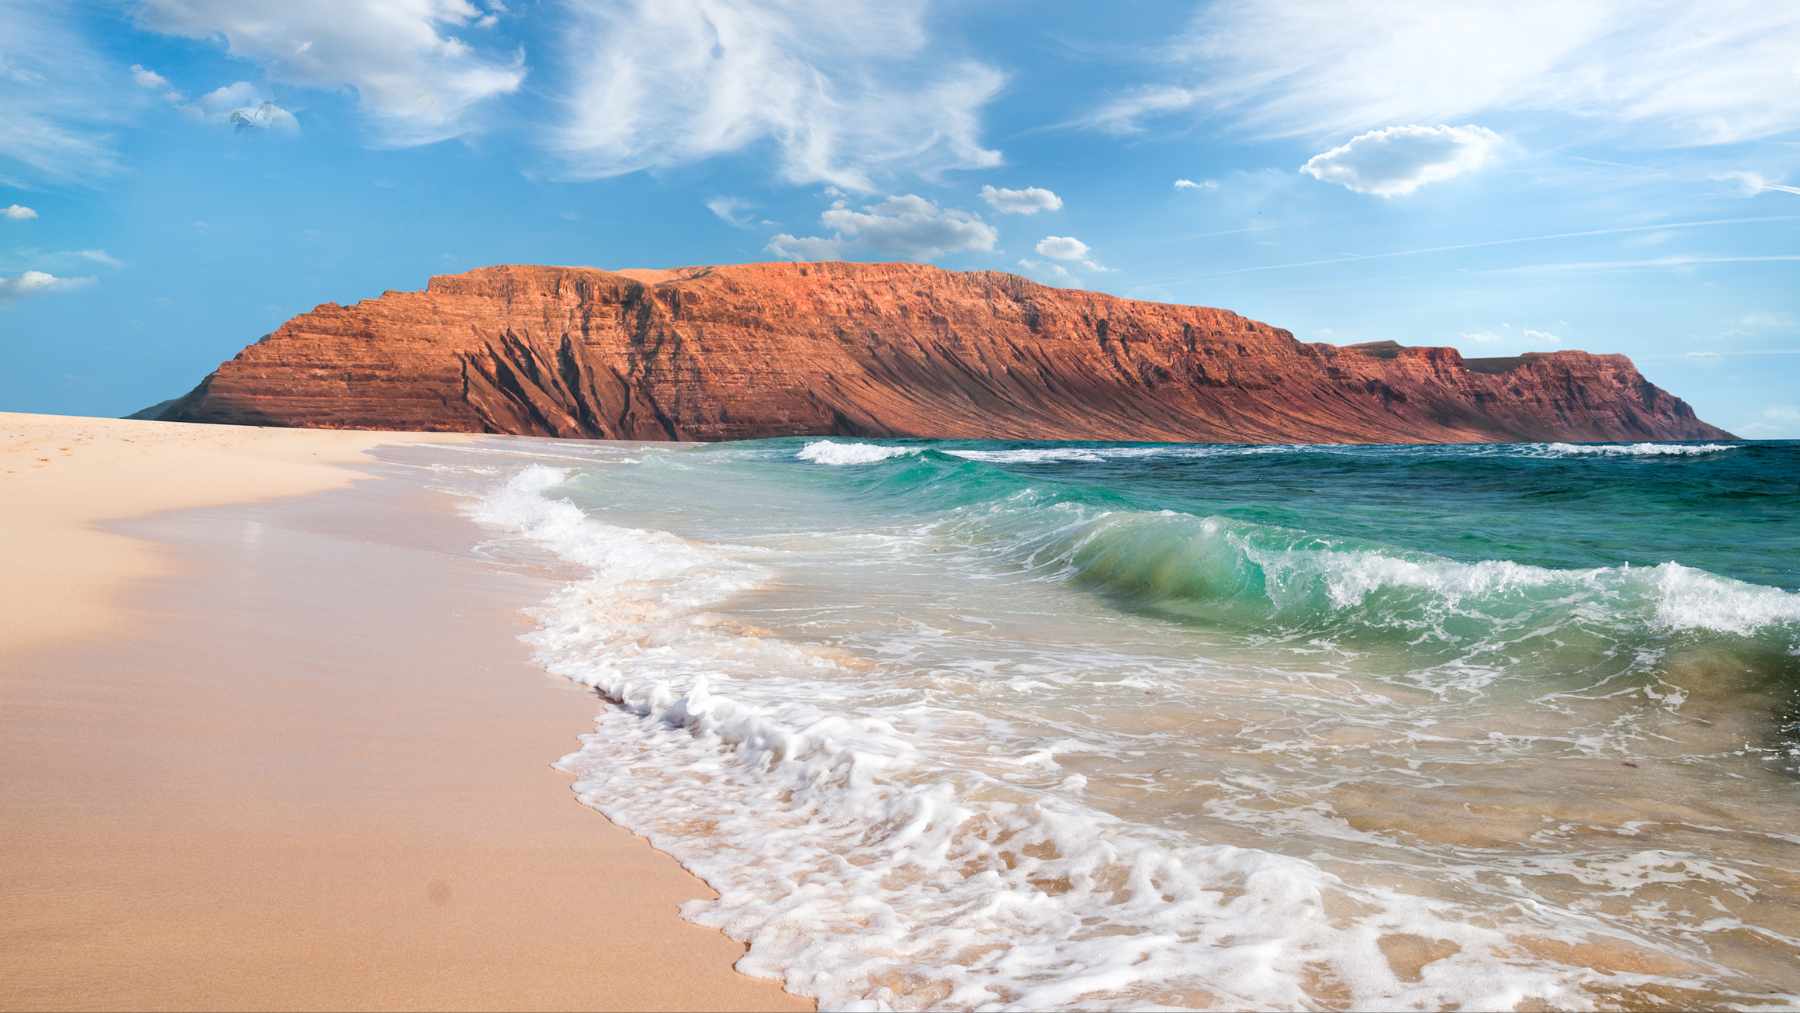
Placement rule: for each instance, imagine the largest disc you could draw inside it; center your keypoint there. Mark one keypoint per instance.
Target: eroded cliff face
(715, 353)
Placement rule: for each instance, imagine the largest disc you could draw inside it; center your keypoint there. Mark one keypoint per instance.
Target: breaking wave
(1631, 449)
(869, 872)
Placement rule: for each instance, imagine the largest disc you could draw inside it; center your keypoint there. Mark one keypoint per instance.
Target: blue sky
(177, 177)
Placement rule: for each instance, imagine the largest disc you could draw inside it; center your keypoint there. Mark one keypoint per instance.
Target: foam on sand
(867, 868)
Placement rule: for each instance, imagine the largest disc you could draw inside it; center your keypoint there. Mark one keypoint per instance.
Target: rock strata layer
(755, 350)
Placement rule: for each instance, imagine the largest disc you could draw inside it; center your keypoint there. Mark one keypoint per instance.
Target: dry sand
(272, 752)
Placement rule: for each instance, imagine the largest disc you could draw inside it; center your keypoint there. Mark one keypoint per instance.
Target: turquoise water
(1072, 725)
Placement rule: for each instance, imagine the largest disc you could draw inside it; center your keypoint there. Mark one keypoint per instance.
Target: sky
(178, 177)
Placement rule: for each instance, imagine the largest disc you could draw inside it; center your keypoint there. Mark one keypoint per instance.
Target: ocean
(1030, 725)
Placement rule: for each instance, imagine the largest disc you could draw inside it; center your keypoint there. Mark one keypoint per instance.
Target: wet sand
(274, 750)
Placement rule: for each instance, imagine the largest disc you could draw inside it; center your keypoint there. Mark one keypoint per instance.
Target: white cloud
(264, 116)
(1625, 230)
(1661, 237)
(1068, 248)
(1766, 321)
(1395, 161)
(1656, 263)
(845, 91)
(1753, 183)
(1775, 422)
(1670, 71)
(1204, 184)
(18, 213)
(54, 89)
(144, 77)
(1125, 114)
(1028, 201)
(37, 283)
(1062, 247)
(789, 247)
(416, 80)
(241, 105)
(150, 80)
(906, 228)
(1046, 271)
(100, 257)
(1508, 340)
(730, 210)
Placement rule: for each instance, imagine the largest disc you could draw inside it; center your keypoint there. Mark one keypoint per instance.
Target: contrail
(1627, 265)
(1504, 242)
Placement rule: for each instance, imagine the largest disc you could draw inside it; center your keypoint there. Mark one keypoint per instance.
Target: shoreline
(273, 743)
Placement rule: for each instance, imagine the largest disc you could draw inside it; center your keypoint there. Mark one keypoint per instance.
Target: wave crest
(1632, 449)
(1250, 574)
(840, 454)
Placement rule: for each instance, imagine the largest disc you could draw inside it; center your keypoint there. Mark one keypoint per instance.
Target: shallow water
(1052, 725)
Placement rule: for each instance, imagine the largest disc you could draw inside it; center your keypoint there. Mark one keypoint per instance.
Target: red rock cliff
(716, 353)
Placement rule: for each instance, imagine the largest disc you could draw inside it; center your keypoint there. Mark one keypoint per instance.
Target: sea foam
(865, 870)
(1631, 449)
(833, 453)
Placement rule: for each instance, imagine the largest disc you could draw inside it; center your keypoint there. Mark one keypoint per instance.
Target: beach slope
(273, 750)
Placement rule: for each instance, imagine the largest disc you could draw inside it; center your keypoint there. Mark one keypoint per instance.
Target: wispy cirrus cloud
(845, 92)
(58, 118)
(1753, 183)
(1671, 72)
(1623, 230)
(1673, 261)
(731, 211)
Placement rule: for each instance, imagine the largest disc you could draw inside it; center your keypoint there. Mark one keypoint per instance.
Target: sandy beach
(270, 741)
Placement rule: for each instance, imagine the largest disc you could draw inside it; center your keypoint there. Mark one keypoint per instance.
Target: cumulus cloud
(1753, 183)
(843, 91)
(1396, 161)
(417, 81)
(730, 210)
(19, 213)
(242, 106)
(789, 247)
(1068, 249)
(1062, 247)
(908, 227)
(1669, 71)
(263, 116)
(1028, 201)
(144, 77)
(150, 80)
(1189, 184)
(37, 283)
